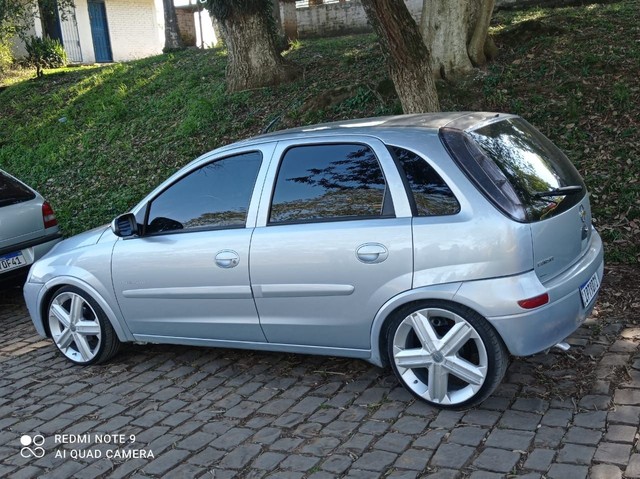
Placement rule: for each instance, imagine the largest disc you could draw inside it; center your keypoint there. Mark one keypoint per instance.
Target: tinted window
(329, 181)
(532, 164)
(431, 194)
(215, 195)
(12, 191)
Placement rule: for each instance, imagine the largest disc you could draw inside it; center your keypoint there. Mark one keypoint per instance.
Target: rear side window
(13, 192)
(217, 195)
(431, 195)
(329, 182)
(518, 168)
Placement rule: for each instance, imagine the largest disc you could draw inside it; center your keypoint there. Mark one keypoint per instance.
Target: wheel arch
(54, 285)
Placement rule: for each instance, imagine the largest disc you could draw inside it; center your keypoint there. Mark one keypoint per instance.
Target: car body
(435, 243)
(28, 229)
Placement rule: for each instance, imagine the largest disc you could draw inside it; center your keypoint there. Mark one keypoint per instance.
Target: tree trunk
(455, 31)
(315, 3)
(290, 20)
(406, 54)
(172, 40)
(253, 59)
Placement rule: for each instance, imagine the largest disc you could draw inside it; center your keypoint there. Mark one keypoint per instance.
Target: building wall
(136, 28)
(340, 18)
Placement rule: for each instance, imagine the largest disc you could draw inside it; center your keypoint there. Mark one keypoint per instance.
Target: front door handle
(227, 259)
(372, 253)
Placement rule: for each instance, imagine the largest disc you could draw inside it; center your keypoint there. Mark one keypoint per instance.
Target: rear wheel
(79, 327)
(446, 354)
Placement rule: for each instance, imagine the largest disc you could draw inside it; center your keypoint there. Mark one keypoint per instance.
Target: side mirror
(125, 225)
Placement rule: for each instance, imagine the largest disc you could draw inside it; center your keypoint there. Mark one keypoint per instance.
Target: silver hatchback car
(28, 229)
(436, 244)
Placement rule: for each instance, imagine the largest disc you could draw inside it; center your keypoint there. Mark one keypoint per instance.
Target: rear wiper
(562, 191)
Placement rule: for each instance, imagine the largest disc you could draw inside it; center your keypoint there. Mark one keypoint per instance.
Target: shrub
(6, 57)
(45, 53)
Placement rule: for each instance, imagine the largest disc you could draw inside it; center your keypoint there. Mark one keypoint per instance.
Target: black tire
(481, 355)
(99, 347)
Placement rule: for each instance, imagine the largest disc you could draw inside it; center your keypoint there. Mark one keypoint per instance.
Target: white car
(28, 229)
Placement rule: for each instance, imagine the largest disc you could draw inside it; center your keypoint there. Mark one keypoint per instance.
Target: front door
(187, 275)
(335, 244)
(100, 31)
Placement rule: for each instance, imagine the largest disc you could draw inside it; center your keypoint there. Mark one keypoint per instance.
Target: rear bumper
(33, 250)
(527, 332)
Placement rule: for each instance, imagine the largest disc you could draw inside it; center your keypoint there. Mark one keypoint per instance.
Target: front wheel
(79, 328)
(446, 354)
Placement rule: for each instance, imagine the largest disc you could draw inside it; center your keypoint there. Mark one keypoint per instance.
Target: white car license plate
(12, 261)
(589, 290)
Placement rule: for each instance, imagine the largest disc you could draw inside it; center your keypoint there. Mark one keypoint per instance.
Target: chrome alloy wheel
(75, 327)
(440, 356)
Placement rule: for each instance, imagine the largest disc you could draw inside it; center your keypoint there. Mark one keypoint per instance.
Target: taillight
(48, 216)
(534, 302)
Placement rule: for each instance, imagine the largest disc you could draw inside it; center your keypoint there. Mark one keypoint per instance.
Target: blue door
(100, 32)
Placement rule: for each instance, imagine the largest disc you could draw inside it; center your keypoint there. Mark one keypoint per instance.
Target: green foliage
(16, 16)
(6, 57)
(45, 53)
(227, 10)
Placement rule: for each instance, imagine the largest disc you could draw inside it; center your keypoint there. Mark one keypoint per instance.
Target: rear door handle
(372, 253)
(227, 259)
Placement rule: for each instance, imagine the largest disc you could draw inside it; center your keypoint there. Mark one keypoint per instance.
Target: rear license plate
(589, 290)
(12, 261)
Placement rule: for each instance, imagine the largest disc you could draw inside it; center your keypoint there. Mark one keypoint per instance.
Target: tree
(406, 54)
(249, 31)
(172, 39)
(456, 33)
(16, 16)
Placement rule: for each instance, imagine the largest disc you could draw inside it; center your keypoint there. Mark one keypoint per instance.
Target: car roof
(378, 126)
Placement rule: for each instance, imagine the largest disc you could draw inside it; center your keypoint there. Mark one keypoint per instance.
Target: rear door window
(329, 183)
(13, 192)
(431, 194)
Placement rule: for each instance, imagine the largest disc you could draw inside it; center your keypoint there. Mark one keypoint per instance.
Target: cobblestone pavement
(224, 413)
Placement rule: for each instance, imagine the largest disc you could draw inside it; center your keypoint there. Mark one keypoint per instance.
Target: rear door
(20, 212)
(333, 242)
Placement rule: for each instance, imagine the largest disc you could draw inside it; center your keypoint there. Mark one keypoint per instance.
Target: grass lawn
(95, 140)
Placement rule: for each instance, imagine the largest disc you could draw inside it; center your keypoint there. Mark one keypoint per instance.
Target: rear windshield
(12, 191)
(542, 177)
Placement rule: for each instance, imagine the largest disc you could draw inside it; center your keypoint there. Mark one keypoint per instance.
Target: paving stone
(557, 417)
(207, 457)
(580, 435)
(525, 421)
(510, 439)
(375, 461)
(619, 433)
(539, 459)
(340, 428)
(595, 401)
(452, 455)
(485, 475)
(287, 444)
(624, 415)
(337, 463)
(480, 417)
(240, 456)
(607, 471)
(268, 460)
(567, 471)
(446, 419)
(297, 462)
(357, 443)
(549, 437)
(576, 454)
(443, 474)
(535, 405)
(166, 461)
(393, 442)
(612, 453)
(196, 441)
(627, 396)
(410, 425)
(633, 468)
(321, 446)
(497, 460)
(374, 427)
(414, 459)
(468, 436)
(592, 419)
(402, 474)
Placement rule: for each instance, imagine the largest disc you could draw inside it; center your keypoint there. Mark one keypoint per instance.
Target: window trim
(198, 166)
(387, 196)
(407, 186)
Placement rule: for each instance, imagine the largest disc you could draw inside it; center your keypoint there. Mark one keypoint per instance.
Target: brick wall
(136, 28)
